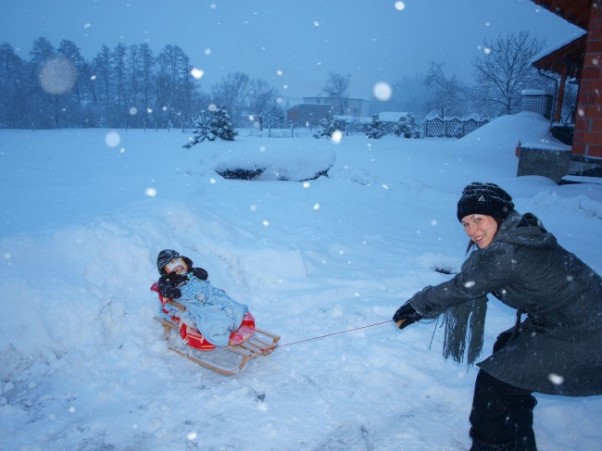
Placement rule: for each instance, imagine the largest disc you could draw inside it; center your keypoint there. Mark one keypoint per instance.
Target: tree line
(127, 86)
(130, 86)
(501, 71)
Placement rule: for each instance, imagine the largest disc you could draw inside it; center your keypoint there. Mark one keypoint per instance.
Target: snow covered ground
(83, 366)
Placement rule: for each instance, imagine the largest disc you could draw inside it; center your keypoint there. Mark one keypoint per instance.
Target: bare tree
(262, 99)
(173, 83)
(448, 92)
(231, 94)
(504, 69)
(337, 88)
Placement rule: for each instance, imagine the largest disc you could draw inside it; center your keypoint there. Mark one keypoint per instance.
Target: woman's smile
(480, 228)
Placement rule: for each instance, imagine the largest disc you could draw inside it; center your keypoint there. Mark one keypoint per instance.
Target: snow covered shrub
(375, 129)
(211, 125)
(330, 126)
(406, 127)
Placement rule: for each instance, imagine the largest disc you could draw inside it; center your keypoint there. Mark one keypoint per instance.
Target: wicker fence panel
(450, 128)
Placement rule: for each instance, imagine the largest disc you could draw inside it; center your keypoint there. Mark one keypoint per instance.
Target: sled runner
(246, 343)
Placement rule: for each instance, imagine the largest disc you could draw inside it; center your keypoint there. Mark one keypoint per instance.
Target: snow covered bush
(375, 129)
(406, 127)
(330, 126)
(211, 125)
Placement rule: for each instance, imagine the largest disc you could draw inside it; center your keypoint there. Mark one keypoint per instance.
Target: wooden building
(580, 58)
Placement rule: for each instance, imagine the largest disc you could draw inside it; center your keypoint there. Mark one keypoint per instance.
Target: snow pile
(526, 127)
(276, 164)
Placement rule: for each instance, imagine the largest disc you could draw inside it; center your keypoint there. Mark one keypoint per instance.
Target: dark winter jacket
(558, 348)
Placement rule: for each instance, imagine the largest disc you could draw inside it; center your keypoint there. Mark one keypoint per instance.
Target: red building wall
(587, 140)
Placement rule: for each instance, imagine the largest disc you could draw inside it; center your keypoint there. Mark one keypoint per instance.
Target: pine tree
(211, 125)
(406, 126)
(221, 125)
(375, 129)
(331, 125)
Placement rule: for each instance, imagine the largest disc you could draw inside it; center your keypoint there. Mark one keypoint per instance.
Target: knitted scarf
(464, 330)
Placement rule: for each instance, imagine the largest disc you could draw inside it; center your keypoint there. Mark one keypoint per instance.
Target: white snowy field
(83, 365)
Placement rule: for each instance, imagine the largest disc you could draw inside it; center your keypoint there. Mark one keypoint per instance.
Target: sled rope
(334, 333)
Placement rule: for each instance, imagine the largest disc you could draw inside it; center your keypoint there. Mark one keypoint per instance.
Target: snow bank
(83, 364)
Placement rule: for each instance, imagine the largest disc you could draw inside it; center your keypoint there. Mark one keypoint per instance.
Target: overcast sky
(293, 44)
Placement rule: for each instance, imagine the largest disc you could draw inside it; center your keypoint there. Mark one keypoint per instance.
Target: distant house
(351, 107)
(307, 115)
(314, 109)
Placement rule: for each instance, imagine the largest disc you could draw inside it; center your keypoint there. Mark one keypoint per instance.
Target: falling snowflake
(197, 73)
(556, 379)
(58, 75)
(382, 91)
(191, 436)
(112, 139)
(150, 192)
(337, 136)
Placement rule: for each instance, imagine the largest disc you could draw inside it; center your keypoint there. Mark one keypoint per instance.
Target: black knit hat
(167, 255)
(485, 199)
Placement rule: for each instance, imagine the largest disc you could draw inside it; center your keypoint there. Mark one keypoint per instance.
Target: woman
(557, 349)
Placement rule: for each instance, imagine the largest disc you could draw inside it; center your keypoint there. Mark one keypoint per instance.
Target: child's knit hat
(167, 255)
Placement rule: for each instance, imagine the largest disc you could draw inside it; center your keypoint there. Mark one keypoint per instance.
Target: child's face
(176, 265)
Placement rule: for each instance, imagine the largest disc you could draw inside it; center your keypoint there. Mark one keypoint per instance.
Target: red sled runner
(246, 343)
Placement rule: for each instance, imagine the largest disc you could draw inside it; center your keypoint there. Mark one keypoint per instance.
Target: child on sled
(200, 306)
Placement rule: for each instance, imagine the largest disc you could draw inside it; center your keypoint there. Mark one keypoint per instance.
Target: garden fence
(451, 127)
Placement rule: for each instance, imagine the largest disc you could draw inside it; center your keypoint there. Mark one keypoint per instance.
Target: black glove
(176, 280)
(172, 292)
(406, 315)
(200, 273)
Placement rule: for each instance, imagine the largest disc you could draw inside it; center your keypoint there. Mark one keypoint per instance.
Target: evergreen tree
(222, 126)
(71, 100)
(122, 87)
(41, 104)
(331, 125)
(375, 129)
(13, 88)
(211, 125)
(406, 126)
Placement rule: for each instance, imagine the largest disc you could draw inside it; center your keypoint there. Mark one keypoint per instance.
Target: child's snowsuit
(209, 309)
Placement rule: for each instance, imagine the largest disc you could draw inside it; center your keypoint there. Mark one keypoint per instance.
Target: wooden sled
(227, 360)
(252, 342)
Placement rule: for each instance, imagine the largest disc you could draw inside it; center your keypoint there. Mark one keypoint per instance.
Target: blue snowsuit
(208, 309)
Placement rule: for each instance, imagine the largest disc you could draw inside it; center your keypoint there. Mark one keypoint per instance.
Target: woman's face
(480, 229)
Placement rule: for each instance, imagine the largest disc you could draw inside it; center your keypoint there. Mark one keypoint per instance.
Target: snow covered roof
(576, 12)
(565, 57)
